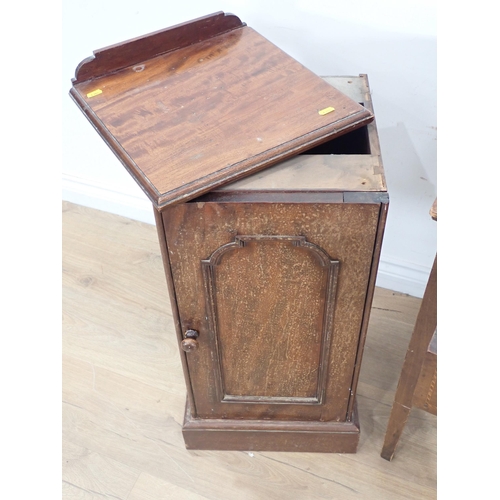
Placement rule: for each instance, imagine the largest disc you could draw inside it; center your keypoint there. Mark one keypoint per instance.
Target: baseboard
(393, 274)
(92, 194)
(402, 276)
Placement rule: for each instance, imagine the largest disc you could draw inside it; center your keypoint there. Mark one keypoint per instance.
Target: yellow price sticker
(326, 111)
(94, 93)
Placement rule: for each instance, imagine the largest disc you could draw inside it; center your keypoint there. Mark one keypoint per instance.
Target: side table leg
(415, 356)
(395, 427)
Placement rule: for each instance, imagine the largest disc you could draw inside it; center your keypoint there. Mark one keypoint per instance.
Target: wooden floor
(123, 391)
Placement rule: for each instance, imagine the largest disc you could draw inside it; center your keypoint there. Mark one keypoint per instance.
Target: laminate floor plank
(88, 473)
(152, 488)
(124, 393)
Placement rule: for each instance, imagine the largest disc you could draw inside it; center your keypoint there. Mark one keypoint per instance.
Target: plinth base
(270, 435)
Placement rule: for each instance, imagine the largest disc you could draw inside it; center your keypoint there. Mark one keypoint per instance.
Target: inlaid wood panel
(287, 318)
(345, 232)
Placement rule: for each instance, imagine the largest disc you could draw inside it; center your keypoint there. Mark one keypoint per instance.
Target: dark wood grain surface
(140, 49)
(211, 112)
(248, 313)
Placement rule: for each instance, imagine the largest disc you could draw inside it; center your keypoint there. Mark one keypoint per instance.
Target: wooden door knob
(190, 343)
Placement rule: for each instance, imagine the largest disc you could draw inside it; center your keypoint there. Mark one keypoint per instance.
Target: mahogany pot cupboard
(270, 202)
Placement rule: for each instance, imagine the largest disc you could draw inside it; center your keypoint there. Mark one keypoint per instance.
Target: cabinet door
(277, 294)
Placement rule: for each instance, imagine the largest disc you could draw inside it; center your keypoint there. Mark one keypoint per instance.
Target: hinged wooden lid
(204, 103)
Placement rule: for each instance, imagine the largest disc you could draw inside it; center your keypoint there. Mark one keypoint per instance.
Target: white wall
(394, 42)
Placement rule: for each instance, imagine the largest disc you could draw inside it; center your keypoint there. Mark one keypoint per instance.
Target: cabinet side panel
(369, 300)
(173, 300)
